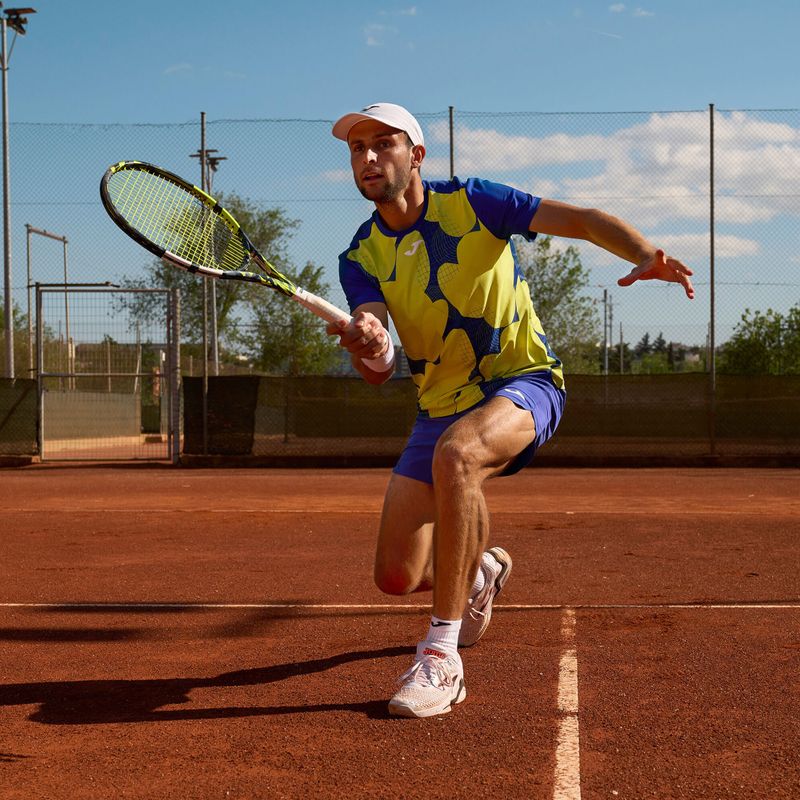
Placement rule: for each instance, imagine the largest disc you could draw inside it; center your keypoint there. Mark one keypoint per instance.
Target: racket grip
(322, 308)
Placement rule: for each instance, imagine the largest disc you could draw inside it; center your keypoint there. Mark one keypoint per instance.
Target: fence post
(174, 382)
(205, 291)
(452, 148)
(39, 368)
(712, 344)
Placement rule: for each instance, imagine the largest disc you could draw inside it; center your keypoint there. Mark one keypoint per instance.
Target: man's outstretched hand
(661, 268)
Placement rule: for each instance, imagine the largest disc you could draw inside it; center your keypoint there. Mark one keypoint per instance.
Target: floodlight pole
(18, 22)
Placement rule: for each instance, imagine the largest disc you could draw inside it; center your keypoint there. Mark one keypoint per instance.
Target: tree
(644, 347)
(764, 343)
(19, 323)
(286, 338)
(558, 281)
(652, 363)
(268, 229)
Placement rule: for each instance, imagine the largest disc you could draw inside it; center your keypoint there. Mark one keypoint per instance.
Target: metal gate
(108, 373)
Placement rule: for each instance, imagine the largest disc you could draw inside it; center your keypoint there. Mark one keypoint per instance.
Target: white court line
(173, 510)
(567, 783)
(628, 512)
(794, 605)
(567, 767)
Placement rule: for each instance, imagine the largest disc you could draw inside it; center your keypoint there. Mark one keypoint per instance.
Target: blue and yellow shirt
(454, 291)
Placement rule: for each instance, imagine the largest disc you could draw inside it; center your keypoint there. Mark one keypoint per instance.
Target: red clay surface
(176, 693)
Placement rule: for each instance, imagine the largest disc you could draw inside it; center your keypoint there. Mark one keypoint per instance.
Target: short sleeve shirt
(455, 292)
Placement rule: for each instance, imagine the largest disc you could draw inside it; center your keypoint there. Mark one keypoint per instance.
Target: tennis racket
(188, 228)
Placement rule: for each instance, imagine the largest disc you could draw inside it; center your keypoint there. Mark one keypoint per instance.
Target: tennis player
(436, 256)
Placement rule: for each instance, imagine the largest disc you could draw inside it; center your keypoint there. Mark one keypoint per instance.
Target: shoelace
(428, 671)
(481, 598)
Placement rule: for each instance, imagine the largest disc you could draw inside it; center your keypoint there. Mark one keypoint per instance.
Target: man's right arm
(366, 336)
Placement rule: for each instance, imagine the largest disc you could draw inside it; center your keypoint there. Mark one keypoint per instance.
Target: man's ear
(417, 155)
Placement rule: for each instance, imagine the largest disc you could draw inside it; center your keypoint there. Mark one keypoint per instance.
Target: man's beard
(390, 190)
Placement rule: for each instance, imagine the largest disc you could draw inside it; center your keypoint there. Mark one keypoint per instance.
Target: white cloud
(617, 8)
(374, 34)
(653, 171)
(411, 11)
(641, 12)
(174, 69)
(696, 246)
(337, 175)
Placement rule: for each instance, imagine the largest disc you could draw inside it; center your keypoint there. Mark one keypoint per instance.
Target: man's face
(381, 159)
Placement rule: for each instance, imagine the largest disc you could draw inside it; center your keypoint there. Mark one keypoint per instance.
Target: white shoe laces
(477, 602)
(475, 613)
(428, 671)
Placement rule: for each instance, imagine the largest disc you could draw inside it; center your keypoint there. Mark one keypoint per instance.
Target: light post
(10, 18)
(209, 164)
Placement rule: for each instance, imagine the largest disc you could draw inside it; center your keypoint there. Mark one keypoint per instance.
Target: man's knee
(454, 460)
(394, 579)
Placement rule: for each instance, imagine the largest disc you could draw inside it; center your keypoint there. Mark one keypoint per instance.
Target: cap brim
(342, 126)
(341, 129)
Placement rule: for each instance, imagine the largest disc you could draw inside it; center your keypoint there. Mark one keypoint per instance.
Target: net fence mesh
(648, 387)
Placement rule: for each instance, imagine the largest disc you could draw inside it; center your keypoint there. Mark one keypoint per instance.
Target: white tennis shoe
(432, 686)
(496, 566)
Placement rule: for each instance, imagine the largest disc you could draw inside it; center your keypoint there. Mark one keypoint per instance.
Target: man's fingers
(631, 277)
(687, 285)
(364, 339)
(336, 328)
(660, 267)
(679, 267)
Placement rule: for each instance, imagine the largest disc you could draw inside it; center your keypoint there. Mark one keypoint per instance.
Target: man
(436, 257)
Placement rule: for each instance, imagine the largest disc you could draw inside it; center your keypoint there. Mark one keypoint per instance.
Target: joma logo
(413, 249)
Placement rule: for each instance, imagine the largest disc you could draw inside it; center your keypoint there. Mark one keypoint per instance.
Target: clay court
(193, 633)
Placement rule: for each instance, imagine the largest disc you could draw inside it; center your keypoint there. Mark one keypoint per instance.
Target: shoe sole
(402, 710)
(504, 560)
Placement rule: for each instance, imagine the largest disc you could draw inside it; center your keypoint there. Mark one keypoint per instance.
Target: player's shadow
(118, 701)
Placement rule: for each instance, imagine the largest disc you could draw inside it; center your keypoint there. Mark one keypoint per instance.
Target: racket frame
(269, 276)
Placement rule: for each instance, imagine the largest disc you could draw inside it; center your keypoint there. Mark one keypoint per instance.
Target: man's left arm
(554, 218)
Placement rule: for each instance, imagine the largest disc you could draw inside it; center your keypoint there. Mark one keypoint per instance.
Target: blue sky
(113, 63)
(164, 61)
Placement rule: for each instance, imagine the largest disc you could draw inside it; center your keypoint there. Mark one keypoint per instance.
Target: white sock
(444, 633)
(480, 581)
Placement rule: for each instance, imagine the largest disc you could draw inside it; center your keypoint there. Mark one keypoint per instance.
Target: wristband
(384, 362)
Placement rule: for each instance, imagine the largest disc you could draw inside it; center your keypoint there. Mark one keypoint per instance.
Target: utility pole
(209, 164)
(607, 321)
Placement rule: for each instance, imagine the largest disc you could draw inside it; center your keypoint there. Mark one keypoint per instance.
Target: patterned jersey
(454, 291)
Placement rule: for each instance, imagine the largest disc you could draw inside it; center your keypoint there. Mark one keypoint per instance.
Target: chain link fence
(107, 380)
(715, 187)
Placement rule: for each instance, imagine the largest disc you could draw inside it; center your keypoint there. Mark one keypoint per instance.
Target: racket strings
(176, 220)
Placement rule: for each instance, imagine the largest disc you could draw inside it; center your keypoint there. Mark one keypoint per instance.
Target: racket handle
(322, 308)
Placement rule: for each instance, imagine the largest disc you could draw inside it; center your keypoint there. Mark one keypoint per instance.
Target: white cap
(389, 113)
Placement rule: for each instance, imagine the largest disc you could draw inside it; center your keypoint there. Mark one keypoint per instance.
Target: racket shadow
(139, 701)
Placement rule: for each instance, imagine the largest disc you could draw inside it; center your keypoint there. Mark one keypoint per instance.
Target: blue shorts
(534, 392)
